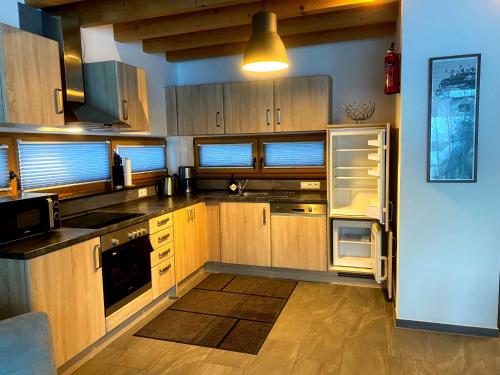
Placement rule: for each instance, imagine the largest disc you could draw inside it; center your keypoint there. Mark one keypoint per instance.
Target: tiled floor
(324, 329)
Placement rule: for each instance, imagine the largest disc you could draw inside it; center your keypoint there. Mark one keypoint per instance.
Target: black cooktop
(97, 219)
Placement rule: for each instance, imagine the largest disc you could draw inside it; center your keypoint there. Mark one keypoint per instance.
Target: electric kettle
(167, 186)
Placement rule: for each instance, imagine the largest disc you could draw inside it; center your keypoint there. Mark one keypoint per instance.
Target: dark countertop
(151, 207)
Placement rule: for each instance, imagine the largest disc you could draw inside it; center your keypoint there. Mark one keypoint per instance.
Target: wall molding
(447, 328)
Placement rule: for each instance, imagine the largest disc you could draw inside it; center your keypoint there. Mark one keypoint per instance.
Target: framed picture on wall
(453, 118)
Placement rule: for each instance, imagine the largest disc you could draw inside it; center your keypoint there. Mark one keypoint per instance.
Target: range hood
(63, 26)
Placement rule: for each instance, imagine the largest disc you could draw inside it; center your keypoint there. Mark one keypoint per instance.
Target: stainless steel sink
(249, 194)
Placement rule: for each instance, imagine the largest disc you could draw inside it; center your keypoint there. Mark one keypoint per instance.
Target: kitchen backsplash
(216, 184)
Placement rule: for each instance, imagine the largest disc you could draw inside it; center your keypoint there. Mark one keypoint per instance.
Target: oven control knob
(132, 235)
(143, 232)
(115, 242)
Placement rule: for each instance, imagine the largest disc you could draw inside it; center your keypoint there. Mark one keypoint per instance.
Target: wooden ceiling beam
(320, 37)
(299, 25)
(229, 17)
(49, 3)
(105, 12)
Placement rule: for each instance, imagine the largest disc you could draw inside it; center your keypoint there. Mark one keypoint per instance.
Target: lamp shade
(265, 51)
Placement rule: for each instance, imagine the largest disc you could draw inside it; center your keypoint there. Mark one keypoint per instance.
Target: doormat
(229, 312)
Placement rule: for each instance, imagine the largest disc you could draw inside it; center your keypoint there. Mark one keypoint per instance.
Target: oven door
(24, 218)
(126, 273)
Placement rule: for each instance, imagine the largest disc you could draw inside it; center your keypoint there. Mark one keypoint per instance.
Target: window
(57, 164)
(288, 156)
(224, 156)
(144, 158)
(228, 155)
(4, 168)
(295, 154)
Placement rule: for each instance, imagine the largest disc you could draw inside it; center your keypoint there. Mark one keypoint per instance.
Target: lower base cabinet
(245, 233)
(190, 239)
(299, 242)
(163, 277)
(67, 285)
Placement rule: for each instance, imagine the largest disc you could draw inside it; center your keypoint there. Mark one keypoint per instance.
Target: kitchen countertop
(150, 207)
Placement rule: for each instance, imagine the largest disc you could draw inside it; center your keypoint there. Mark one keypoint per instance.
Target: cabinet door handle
(383, 263)
(97, 257)
(163, 238)
(194, 214)
(268, 117)
(165, 269)
(163, 254)
(391, 211)
(217, 120)
(161, 223)
(278, 116)
(124, 110)
(188, 215)
(264, 216)
(58, 100)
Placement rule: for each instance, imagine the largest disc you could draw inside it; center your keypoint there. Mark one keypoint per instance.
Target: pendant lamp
(265, 51)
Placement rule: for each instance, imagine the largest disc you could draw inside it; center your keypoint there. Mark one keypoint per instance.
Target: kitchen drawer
(162, 238)
(162, 253)
(160, 222)
(163, 277)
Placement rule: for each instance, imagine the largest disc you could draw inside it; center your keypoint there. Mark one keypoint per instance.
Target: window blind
(294, 154)
(226, 155)
(4, 167)
(144, 158)
(54, 164)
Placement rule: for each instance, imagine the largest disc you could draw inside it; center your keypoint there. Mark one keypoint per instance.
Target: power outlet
(309, 185)
(143, 192)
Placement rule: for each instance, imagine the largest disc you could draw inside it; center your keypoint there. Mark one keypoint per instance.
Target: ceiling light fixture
(265, 51)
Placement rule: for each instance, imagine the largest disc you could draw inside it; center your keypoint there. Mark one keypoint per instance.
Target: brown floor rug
(223, 311)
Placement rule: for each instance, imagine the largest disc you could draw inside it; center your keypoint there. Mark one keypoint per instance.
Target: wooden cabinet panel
(162, 253)
(299, 242)
(160, 222)
(171, 111)
(67, 285)
(30, 79)
(162, 237)
(132, 96)
(213, 232)
(199, 109)
(248, 107)
(302, 103)
(245, 233)
(163, 277)
(190, 239)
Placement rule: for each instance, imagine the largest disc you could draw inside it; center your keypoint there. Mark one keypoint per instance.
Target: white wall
(449, 234)
(356, 67)
(8, 13)
(98, 44)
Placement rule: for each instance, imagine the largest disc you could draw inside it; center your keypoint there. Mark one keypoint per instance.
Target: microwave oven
(28, 214)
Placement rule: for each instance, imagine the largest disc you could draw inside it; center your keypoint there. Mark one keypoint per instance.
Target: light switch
(143, 192)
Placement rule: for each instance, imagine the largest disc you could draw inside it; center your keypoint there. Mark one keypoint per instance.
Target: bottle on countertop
(233, 185)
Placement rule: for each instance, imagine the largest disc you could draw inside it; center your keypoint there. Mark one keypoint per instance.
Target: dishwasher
(299, 236)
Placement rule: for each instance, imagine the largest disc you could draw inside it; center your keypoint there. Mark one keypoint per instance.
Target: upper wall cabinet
(30, 79)
(302, 103)
(248, 107)
(199, 109)
(120, 90)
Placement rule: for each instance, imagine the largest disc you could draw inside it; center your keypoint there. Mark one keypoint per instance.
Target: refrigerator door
(379, 262)
(376, 208)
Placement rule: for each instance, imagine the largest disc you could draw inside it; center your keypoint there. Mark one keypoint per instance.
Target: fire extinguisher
(392, 71)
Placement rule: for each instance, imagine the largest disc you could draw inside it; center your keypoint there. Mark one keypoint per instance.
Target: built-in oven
(126, 265)
(28, 214)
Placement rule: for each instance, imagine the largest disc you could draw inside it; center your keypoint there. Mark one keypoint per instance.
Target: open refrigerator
(358, 204)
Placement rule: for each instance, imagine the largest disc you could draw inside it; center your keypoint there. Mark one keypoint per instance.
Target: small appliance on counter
(168, 186)
(188, 181)
(117, 172)
(28, 214)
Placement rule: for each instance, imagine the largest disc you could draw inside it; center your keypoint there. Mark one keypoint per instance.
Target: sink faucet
(241, 186)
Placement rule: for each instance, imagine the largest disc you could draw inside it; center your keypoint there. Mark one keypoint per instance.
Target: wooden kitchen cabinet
(299, 242)
(248, 107)
(190, 239)
(200, 109)
(119, 90)
(30, 79)
(302, 103)
(245, 233)
(67, 285)
(213, 233)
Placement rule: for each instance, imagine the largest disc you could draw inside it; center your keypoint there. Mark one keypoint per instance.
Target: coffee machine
(187, 177)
